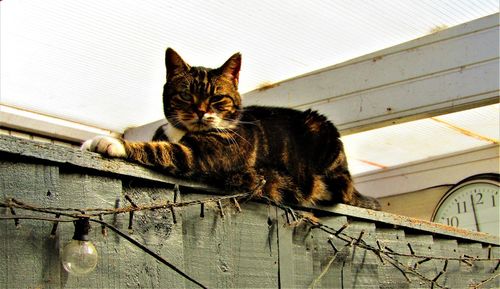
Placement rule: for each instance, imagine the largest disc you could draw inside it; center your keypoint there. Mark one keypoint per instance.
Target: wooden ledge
(10, 147)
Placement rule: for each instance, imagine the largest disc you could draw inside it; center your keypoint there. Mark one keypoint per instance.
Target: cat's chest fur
(174, 134)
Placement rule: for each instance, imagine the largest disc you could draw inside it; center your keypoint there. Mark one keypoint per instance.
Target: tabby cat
(286, 155)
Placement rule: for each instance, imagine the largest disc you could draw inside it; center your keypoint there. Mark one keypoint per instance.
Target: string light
(80, 256)
(385, 254)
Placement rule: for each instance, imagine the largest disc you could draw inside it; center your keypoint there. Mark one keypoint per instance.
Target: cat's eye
(217, 98)
(185, 96)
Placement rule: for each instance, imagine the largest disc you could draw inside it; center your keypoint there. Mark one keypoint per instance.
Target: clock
(471, 204)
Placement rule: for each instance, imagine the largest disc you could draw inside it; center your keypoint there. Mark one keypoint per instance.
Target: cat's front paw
(105, 145)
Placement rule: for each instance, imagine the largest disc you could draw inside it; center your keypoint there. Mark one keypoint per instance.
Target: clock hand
(474, 211)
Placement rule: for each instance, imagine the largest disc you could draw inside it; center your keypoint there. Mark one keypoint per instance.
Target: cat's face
(201, 99)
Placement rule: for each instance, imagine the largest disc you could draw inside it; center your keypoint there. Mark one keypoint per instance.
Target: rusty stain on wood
(465, 131)
(372, 163)
(266, 85)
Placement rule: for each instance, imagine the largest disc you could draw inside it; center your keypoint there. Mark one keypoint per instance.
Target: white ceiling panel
(100, 63)
(480, 122)
(422, 139)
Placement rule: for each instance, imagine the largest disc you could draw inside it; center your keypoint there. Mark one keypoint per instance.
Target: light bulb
(79, 256)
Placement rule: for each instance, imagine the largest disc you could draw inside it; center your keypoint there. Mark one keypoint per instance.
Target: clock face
(471, 205)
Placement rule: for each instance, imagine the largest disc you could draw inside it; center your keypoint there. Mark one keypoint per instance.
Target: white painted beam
(447, 71)
(143, 132)
(51, 127)
(437, 171)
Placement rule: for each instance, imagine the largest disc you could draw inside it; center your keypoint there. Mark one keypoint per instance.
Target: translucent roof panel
(422, 139)
(100, 63)
(481, 122)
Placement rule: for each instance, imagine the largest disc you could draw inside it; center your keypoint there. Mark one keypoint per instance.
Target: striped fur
(298, 153)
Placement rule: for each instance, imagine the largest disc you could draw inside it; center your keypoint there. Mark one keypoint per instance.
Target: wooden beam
(441, 170)
(51, 127)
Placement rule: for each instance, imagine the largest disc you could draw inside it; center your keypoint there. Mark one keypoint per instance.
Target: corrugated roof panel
(482, 121)
(419, 140)
(101, 62)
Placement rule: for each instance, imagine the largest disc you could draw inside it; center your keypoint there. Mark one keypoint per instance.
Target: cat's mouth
(200, 125)
(206, 123)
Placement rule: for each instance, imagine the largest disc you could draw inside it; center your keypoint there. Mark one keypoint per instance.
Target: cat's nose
(200, 114)
(208, 118)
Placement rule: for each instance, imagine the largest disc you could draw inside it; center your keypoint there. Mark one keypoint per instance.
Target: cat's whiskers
(240, 121)
(174, 121)
(249, 122)
(237, 134)
(228, 136)
(235, 146)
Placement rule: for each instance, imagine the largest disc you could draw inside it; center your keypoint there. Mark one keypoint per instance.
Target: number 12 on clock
(471, 205)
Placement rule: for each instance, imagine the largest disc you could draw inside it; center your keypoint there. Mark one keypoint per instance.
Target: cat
(283, 154)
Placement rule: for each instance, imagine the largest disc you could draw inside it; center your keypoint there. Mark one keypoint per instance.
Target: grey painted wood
(421, 245)
(395, 240)
(238, 250)
(20, 246)
(363, 263)
(411, 223)
(305, 253)
(157, 230)
(337, 275)
(62, 156)
(481, 271)
(448, 248)
(13, 148)
(255, 248)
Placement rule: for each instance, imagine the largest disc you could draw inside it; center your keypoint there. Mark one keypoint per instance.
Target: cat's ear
(174, 63)
(231, 68)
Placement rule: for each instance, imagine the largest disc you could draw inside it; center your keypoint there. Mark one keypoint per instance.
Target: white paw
(105, 145)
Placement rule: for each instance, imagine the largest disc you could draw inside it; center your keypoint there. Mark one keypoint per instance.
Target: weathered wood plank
(254, 248)
(364, 264)
(35, 182)
(306, 256)
(448, 248)
(157, 230)
(337, 275)
(86, 160)
(394, 239)
(79, 190)
(470, 275)
(238, 250)
(420, 245)
(411, 223)
(12, 147)
(30, 245)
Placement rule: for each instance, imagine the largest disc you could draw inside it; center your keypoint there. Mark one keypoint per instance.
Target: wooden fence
(218, 242)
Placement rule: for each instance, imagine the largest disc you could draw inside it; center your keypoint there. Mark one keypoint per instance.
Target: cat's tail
(363, 201)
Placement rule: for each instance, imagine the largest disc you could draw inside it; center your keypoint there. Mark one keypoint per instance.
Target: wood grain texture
(254, 248)
(238, 250)
(63, 156)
